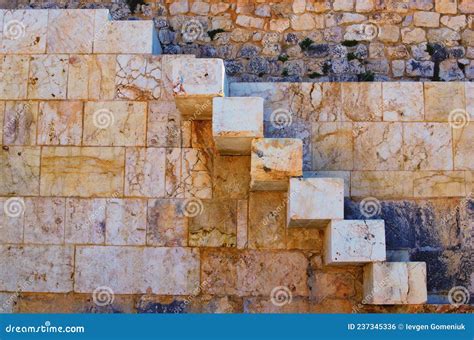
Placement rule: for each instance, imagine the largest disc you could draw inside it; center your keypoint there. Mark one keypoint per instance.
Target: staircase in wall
(200, 90)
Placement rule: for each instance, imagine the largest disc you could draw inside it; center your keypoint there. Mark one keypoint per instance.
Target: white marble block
(313, 202)
(274, 161)
(195, 83)
(393, 283)
(235, 122)
(355, 241)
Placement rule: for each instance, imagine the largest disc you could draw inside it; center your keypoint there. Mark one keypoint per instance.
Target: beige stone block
(48, 77)
(136, 270)
(91, 77)
(344, 175)
(145, 172)
(236, 121)
(332, 145)
(44, 220)
(274, 161)
(389, 33)
(85, 221)
(242, 224)
(195, 83)
(443, 98)
(20, 123)
(389, 283)
(24, 32)
(117, 123)
(466, 6)
(231, 177)
(126, 222)
(364, 6)
(12, 212)
(463, 146)
(196, 175)
(60, 123)
(164, 128)
(14, 76)
(122, 37)
(250, 22)
(446, 6)
(82, 171)
(174, 184)
(426, 19)
(279, 25)
(313, 202)
(354, 242)
(439, 184)
(362, 101)
(402, 101)
(36, 268)
(413, 35)
(456, 23)
(138, 77)
(167, 225)
(427, 146)
(70, 31)
(378, 146)
(19, 170)
(343, 5)
(396, 184)
(303, 22)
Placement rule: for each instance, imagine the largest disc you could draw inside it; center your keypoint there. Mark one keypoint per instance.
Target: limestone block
(382, 184)
(145, 172)
(426, 19)
(390, 283)
(19, 170)
(313, 202)
(70, 31)
(167, 226)
(60, 123)
(24, 32)
(138, 77)
(164, 129)
(439, 184)
(443, 98)
(235, 122)
(274, 161)
(463, 144)
(125, 222)
(115, 123)
(354, 242)
(446, 6)
(11, 219)
(122, 37)
(21, 121)
(402, 101)
(196, 174)
(195, 83)
(362, 101)
(332, 145)
(44, 220)
(14, 76)
(48, 77)
(134, 270)
(82, 171)
(85, 221)
(36, 268)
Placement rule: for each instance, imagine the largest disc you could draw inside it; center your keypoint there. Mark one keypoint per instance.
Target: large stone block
(195, 83)
(48, 76)
(355, 241)
(274, 161)
(20, 125)
(14, 76)
(391, 283)
(138, 77)
(60, 123)
(19, 170)
(130, 270)
(236, 121)
(313, 202)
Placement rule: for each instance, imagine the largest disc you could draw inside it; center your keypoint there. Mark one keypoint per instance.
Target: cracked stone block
(274, 161)
(394, 283)
(236, 121)
(48, 77)
(313, 202)
(20, 170)
(195, 83)
(14, 76)
(355, 241)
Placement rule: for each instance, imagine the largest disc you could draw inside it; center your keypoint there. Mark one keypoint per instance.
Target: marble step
(314, 202)
(273, 162)
(395, 283)
(196, 82)
(236, 121)
(353, 242)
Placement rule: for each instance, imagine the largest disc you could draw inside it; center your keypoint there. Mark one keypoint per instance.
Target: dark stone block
(151, 307)
(317, 50)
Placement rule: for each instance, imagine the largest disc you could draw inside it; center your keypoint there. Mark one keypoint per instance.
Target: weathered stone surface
(332, 146)
(381, 184)
(355, 241)
(420, 68)
(48, 77)
(463, 143)
(395, 283)
(313, 202)
(389, 33)
(118, 123)
(11, 220)
(446, 6)
(231, 177)
(128, 270)
(361, 32)
(439, 184)
(362, 101)
(44, 220)
(167, 224)
(20, 123)
(60, 123)
(138, 77)
(70, 31)
(66, 171)
(196, 175)
(443, 98)
(345, 175)
(126, 221)
(413, 35)
(13, 76)
(426, 19)
(235, 122)
(420, 139)
(401, 101)
(378, 146)
(19, 170)
(274, 161)
(85, 221)
(163, 128)
(332, 283)
(36, 268)
(145, 172)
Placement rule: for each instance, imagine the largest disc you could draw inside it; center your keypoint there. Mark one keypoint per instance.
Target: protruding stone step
(274, 161)
(236, 121)
(355, 242)
(195, 83)
(313, 202)
(392, 283)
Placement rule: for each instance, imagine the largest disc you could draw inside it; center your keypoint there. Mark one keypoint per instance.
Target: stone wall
(319, 40)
